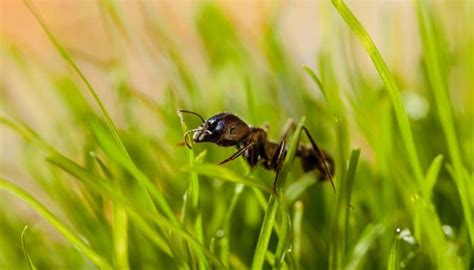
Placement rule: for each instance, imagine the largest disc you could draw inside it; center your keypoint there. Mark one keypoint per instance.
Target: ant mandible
(227, 129)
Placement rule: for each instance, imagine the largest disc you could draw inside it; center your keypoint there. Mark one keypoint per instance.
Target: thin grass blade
(31, 265)
(57, 224)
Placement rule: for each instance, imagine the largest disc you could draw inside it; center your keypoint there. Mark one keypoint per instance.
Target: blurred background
(145, 59)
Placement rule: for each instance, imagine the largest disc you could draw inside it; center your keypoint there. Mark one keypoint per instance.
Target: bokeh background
(145, 59)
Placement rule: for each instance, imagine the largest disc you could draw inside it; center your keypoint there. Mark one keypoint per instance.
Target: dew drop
(220, 233)
(416, 105)
(448, 231)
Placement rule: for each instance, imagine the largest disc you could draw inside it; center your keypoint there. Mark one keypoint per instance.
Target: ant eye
(233, 131)
(212, 124)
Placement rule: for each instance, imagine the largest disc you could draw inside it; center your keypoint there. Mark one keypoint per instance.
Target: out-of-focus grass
(124, 196)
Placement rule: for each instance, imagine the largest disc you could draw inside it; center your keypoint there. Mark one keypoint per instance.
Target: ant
(227, 129)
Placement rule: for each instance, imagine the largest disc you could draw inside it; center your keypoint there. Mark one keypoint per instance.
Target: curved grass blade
(99, 186)
(31, 265)
(220, 172)
(316, 79)
(432, 50)
(143, 181)
(389, 81)
(114, 152)
(60, 226)
(92, 182)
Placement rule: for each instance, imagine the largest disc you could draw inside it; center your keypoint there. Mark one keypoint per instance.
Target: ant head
(224, 129)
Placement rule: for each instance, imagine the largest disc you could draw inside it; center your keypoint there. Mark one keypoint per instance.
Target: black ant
(226, 129)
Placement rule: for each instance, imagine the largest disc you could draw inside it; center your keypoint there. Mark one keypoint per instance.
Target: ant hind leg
(277, 162)
(325, 162)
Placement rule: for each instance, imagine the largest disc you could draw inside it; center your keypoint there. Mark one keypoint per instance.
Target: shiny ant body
(226, 129)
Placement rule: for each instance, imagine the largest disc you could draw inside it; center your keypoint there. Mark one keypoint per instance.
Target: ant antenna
(194, 113)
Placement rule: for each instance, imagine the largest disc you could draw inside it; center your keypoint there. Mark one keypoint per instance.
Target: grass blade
(223, 173)
(60, 226)
(432, 176)
(393, 261)
(273, 202)
(193, 200)
(25, 249)
(140, 177)
(297, 188)
(365, 242)
(341, 218)
(99, 186)
(120, 224)
(316, 79)
(389, 82)
(438, 85)
(297, 235)
(224, 251)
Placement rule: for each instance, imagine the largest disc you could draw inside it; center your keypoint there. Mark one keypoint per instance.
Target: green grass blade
(223, 173)
(265, 233)
(297, 234)
(92, 182)
(366, 241)
(31, 265)
(60, 226)
(269, 218)
(390, 85)
(140, 177)
(393, 261)
(121, 238)
(440, 91)
(316, 79)
(224, 250)
(120, 224)
(297, 188)
(339, 241)
(100, 187)
(432, 176)
(150, 191)
(26, 133)
(62, 51)
(284, 238)
(193, 200)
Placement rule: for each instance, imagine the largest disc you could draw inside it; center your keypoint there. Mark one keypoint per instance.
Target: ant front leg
(236, 154)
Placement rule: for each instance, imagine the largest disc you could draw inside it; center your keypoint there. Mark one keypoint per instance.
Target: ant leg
(322, 158)
(280, 152)
(277, 161)
(236, 154)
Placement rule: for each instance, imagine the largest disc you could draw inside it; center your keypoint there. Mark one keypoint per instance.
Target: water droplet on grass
(220, 233)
